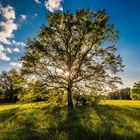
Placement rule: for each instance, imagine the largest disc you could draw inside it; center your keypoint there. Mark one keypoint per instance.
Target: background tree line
(15, 87)
(126, 93)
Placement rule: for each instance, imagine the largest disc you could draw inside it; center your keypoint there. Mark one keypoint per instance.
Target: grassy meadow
(110, 120)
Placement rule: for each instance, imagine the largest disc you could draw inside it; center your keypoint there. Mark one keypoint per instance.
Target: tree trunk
(69, 91)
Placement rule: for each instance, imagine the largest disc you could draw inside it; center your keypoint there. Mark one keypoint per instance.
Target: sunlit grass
(122, 102)
(109, 120)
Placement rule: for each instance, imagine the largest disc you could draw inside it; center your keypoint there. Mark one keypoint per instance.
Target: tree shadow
(71, 123)
(16, 127)
(73, 128)
(8, 115)
(114, 116)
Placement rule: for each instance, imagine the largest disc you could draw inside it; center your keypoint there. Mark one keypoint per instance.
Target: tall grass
(111, 120)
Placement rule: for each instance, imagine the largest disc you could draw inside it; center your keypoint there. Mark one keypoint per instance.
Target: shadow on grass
(8, 115)
(114, 116)
(70, 123)
(71, 128)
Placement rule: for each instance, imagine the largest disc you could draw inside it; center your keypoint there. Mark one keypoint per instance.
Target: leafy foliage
(135, 91)
(11, 84)
(69, 54)
(87, 99)
(34, 91)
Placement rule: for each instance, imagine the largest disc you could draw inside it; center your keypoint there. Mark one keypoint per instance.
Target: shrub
(135, 91)
(87, 99)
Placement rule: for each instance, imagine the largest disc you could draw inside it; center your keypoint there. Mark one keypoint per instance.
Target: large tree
(71, 53)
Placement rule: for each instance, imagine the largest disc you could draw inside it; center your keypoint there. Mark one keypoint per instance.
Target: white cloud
(23, 17)
(35, 14)
(3, 55)
(1, 48)
(16, 50)
(16, 64)
(22, 44)
(9, 50)
(37, 1)
(8, 12)
(53, 5)
(7, 31)
(8, 25)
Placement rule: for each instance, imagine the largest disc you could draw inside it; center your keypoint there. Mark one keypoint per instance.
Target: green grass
(111, 120)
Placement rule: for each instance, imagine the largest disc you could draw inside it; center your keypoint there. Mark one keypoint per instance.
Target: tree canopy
(75, 52)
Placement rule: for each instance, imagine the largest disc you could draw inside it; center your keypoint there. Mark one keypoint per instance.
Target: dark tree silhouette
(69, 53)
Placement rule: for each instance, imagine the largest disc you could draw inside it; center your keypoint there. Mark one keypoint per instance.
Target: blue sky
(30, 15)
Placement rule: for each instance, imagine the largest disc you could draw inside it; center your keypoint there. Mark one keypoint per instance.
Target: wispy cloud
(10, 50)
(23, 17)
(22, 44)
(1, 48)
(4, 51)
(16, 50)
(37, 1)
(3, 55)
(16, 64)
(53, 5)
(35, 14)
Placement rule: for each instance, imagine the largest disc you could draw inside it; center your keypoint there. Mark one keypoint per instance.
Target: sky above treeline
(21, 19)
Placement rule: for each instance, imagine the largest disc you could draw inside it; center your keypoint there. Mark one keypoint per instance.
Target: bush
(87, 99)
(134, 95)
(135, 91)
(53, 97)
